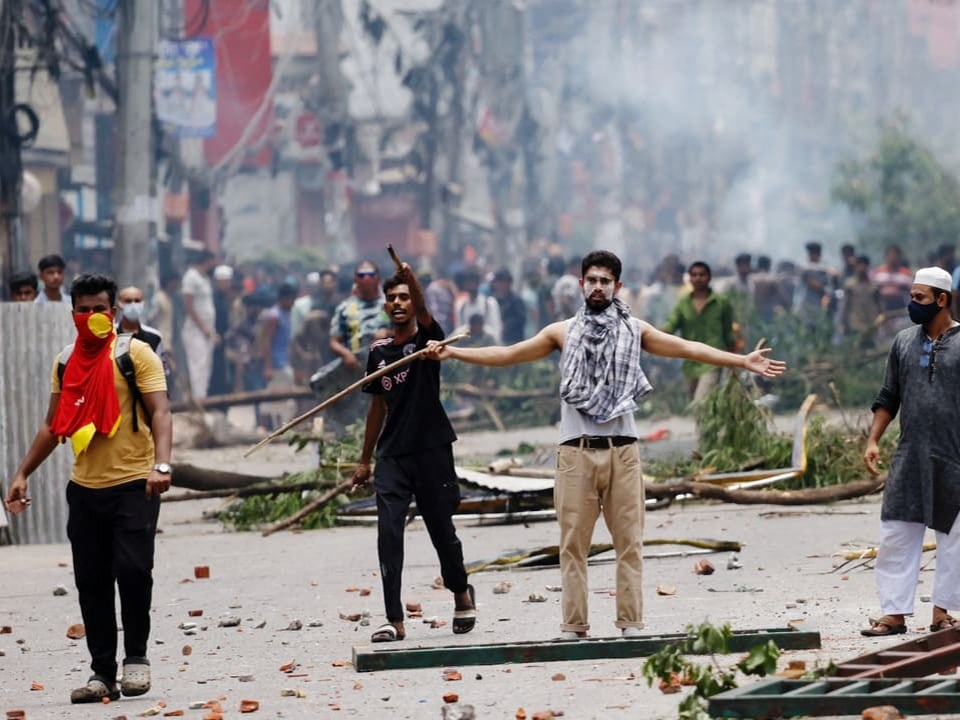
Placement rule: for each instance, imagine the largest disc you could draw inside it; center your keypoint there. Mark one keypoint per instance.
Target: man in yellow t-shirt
(120, 469)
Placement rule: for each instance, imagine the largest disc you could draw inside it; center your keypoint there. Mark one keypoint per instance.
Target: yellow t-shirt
(128, 455)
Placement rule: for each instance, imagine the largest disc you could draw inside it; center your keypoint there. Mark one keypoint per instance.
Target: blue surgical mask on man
(132, 311)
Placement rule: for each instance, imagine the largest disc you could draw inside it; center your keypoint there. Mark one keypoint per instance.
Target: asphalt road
(269, 583)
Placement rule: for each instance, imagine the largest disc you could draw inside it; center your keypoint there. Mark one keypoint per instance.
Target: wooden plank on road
(398, 656)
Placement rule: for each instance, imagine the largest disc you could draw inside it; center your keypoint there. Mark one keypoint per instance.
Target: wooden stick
(349, 389)
(309, 507)
(394, 256)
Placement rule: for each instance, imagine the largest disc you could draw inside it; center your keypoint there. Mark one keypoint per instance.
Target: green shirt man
(703, 316)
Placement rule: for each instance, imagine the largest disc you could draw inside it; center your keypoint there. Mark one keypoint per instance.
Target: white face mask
(132, 311)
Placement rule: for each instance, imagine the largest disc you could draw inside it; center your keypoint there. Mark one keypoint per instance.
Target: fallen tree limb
(251, 397)
(250, 491)
(310, 507)
(192, 477)
(472, 391)
(871, 552)
(551, 553)
(805, 496)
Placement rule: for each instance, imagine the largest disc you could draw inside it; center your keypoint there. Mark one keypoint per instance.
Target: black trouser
(111, 533)
(428, 476)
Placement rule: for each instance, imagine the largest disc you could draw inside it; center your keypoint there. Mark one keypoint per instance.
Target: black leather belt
(600, 443)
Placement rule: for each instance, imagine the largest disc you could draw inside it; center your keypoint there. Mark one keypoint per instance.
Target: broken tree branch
(251, 397)
(192, 477)
(251, 491)
(310, 507)
(805, 496)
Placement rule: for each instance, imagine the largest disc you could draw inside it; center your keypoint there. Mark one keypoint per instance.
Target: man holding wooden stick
(414, 440)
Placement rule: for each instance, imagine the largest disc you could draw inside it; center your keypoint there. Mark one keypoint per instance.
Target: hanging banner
(244, 73)
(185, 87)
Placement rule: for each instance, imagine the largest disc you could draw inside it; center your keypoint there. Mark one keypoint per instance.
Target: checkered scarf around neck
(601, 363)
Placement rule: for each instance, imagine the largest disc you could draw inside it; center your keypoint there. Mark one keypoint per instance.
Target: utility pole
(501, 67)
(136, 49)
(11, 169)
(173, 27)
(449, 235)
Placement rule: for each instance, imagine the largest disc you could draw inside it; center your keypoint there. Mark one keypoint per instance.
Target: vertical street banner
(244, 72)
(185, 87)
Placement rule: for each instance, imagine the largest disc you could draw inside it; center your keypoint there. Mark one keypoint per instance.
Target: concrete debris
(457, 712)
(703, 567)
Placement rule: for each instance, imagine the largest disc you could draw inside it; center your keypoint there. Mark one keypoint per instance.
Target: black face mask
(922, 313)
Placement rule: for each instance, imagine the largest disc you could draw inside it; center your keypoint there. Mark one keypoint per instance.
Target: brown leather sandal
(944, 622)
(886, 625)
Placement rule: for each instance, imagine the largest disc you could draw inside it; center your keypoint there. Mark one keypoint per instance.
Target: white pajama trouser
(199, 351)
(898, 567)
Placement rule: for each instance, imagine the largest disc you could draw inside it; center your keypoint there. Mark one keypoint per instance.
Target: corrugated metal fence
(30, 338)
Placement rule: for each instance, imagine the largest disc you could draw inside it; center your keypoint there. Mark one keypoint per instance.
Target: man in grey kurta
(922, 383)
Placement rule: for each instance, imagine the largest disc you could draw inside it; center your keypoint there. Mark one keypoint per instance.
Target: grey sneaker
(631, 632)
(136, 677)
(96, 689)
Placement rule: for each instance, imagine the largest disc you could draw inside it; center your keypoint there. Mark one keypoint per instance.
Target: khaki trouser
(588, 482)
(699, 387)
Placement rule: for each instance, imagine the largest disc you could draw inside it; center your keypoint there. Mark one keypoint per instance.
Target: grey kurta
(924, 482)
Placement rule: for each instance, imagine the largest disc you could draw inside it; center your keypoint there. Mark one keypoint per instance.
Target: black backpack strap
(121, 353)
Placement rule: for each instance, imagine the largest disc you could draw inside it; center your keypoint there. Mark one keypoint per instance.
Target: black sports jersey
(415, 418)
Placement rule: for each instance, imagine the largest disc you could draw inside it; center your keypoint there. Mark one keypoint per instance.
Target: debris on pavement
(60, 590)
(666, 590)
(201, 572)
(881, 712)
(76, 631)
(703, 567)
(249, 706)
(502, 588)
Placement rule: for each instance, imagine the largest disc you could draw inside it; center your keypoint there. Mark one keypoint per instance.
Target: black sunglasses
(366, 273)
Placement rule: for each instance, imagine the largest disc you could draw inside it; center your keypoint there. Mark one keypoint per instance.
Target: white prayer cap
(223, 272)
(934, 277)
(313, 279)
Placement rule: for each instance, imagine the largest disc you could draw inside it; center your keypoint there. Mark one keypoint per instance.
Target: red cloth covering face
(88, 397)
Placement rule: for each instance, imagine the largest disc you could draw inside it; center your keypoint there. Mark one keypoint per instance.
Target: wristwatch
(163, 468)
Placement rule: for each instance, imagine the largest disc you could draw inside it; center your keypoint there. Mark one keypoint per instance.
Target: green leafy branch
(671, 669)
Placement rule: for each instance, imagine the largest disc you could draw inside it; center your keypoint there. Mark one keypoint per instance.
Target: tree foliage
(901, 194)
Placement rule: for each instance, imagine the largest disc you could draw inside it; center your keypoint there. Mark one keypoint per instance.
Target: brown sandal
(886, 625)
(944, 622)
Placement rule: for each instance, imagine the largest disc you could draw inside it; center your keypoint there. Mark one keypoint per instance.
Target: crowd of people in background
(229, 329)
